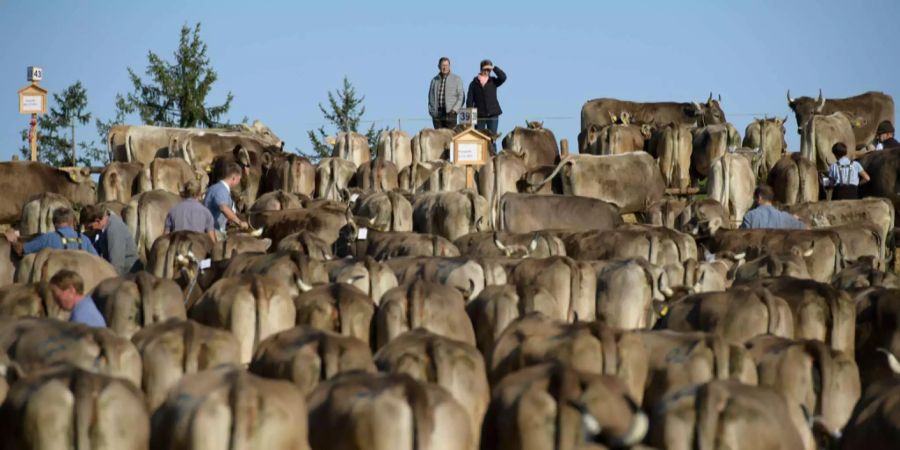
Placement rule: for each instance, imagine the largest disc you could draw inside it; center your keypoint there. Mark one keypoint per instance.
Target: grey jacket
(116, 245)
(454, 96)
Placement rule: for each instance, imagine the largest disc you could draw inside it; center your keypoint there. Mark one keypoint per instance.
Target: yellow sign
(32, 100)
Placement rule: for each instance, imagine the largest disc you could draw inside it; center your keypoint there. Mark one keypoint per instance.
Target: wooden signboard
(32, 100)
(469, 148)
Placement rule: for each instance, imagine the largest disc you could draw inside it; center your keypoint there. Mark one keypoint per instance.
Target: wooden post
(470, 176)
(563, 148)
(34, 137)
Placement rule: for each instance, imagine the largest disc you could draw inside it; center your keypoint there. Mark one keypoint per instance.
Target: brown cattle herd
(604, 299)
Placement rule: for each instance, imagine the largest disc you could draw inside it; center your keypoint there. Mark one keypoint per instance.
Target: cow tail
(473, 211)
(109, 145)
(495, 196)
(610, 352)
(801, 191)
(129, 147)
(394, 226)
(144, 283)
(574, 289)
(569, 160)
(710, 398)
(772, 309)
(142, 232)
(721, 357)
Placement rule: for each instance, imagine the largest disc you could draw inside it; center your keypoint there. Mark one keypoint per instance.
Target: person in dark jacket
(483, 95)
(884, 136)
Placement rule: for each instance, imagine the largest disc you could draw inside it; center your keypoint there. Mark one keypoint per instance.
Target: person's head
(839, 150)
(63, 217)
(486, 67)
(884, 131)
(67, 288)
(94, 218)
(763, 195)
(444, 65)
(232, 174)
(191, 189)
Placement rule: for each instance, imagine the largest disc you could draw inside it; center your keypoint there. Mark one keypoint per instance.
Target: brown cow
(874, 425)
(631, 181)
(290, 173)
(794, 180)
(299, 271)
(536, 145)
(431, 145)
(251, 306)
(146, 217)
(307, 356)
(824, 381)
(731, 183)
(737, 314)
(728, 414)
(878, 334)
(337, 307)
(394, 146)
(819, 135)
(168, 174)
(377, 175)
(768, 136)
(865, 111)
(528, 213)
(394, 244)
(30, 300)
(391, 211)
(601, 111)
(571, 286)
(68, 407)
(20, 180)
(37, 214)
(518, 245)
(369, 276)
(673, 148)
(450, 214)
(499, 176)
(175, 348)
(553, 406)
(41, 266)
(709, 143)
(226, 406)
(361, 411)
(615, 139)
(439, 309)
(333, 176)
(453, 365)
(136, 301)
(353, 147)
(118, 181)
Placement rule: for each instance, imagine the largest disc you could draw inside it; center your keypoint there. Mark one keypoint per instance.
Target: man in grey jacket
(112, 237)
(445, 96)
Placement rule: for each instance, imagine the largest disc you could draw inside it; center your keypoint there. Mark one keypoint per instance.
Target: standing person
(114, 241)
(63, 237)
(764, 215)
(218, 201)
(483, 95)
(445, 96)
(68, 292)
(884, 136)
(190, 214)
(845, 175)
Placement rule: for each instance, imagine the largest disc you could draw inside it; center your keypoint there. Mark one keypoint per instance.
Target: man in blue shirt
(218, 200)
(68, 291)
(63, 237)
(764, 215)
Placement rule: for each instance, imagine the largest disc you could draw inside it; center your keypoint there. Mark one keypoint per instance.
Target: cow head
(265, 134)
(707, 113)
(805, 107)
(84, 191)
(517, 250)
(534, 125)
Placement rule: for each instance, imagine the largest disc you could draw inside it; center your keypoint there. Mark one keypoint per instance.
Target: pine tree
(344, 113)
(56, 129)
(175, 93)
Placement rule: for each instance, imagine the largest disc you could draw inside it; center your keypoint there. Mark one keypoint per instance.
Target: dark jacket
(485, 97)
(890, 143)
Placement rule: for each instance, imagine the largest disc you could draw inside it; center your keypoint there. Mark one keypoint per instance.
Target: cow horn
(789, 99)
(697, 107)
(740, 256)
(710, 97)
(635, 433)
(893, 363)
(821, 101)
(303, 286)
(500, 245)
(533, 245)
(589, 423)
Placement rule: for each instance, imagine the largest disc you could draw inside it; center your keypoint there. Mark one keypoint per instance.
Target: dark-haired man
(764, 215)
(112, 237)
(218, 200)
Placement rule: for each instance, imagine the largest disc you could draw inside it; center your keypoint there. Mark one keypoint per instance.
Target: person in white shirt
(846, 175)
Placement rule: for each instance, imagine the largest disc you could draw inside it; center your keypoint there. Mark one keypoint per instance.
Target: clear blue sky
(280, 58)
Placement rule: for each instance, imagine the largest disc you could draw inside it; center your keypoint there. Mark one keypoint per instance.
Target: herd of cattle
(564, 303)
